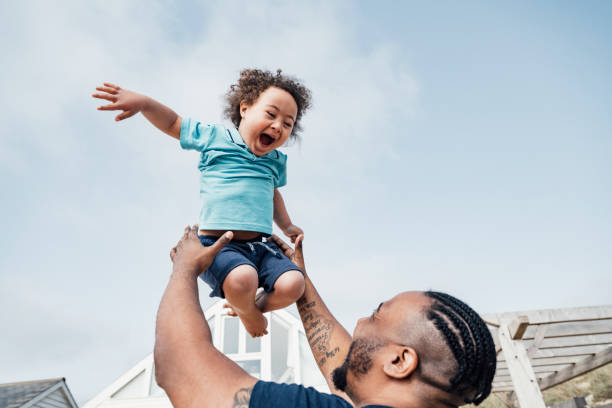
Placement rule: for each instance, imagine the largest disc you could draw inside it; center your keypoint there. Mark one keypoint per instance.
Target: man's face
(267, 123)
(375, 332)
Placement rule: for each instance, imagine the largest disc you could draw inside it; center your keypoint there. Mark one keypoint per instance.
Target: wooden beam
(517, 327)
(535, 362)
(582, 367)
(570, 341)
(575, 314)
(523, 378)
(537, 341)
(570, 328)
(566, 351)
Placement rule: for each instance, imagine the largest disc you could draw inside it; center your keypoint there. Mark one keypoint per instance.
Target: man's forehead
(408, 299)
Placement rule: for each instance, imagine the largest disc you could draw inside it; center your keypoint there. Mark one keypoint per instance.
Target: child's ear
(243, 108)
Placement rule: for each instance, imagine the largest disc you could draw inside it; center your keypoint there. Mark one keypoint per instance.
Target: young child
(240, 173)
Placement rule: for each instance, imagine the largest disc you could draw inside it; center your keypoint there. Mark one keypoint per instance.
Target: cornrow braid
(466, 340)
(473, 348)
(487, 347)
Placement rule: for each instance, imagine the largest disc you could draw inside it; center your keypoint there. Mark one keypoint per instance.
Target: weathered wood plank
(582, 367)
(566, 351)
(517, 327)
(574, 314)
(570, 328)
(535, 362)
(523, 378)
(570, 341)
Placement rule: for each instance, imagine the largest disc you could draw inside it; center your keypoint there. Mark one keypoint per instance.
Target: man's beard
(358, 361)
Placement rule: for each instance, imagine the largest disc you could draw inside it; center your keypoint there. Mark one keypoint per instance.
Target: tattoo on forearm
(318, 331)
(242, 397)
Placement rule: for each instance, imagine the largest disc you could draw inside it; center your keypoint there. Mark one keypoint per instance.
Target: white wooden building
(282, 356)
(52, 393)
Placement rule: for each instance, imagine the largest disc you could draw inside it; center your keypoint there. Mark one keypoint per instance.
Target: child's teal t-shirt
(236, 186)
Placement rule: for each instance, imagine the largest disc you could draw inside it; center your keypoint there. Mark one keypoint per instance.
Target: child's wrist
(145, 104)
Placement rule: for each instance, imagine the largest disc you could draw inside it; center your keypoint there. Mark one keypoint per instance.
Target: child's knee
(241, 279)
(290, 284)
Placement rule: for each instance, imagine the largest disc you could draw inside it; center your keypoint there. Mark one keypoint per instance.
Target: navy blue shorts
(267, 259)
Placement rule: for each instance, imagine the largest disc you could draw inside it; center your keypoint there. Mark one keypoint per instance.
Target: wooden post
(523, 378)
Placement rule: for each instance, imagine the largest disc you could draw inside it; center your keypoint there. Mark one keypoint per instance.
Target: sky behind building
(463, 147)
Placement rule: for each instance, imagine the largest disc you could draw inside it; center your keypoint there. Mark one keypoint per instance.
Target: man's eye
(270, 114)
(288, 124)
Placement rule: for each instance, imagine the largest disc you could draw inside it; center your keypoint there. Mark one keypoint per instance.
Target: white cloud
(99, 177)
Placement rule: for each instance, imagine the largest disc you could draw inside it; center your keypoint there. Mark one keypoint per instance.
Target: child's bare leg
(288, 288)
(240, 287)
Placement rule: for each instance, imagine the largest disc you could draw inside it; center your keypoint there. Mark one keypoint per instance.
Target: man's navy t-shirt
(273, 395)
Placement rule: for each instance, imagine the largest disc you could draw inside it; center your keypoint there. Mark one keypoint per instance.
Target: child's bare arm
(161, 116)
(282, 219)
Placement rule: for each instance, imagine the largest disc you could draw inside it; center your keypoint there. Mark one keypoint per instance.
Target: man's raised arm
(329, 341)
(187, 365)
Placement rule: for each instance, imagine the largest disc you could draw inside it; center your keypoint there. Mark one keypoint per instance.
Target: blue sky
(463, 147)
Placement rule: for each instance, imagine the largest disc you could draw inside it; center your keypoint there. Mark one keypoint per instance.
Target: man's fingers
(281, 244)
(298, 243)
(108, 97)
(194, 230)
(125, 115)
(172, 253)
(221, 242)
(112, 86)
(107, 89)
(185, 233)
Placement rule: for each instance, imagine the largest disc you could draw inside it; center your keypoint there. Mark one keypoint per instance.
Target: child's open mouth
(266, 140)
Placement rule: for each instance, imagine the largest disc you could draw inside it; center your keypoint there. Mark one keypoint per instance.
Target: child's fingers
(125, 115)
(108, 97)
(112, 86)
(108, 89)
(109, 107)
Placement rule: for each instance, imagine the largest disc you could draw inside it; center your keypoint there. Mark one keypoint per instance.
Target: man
(418, 349)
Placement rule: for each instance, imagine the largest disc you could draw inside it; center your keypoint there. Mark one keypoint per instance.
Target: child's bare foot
(254, 322)
(258, 298)
(230, 310)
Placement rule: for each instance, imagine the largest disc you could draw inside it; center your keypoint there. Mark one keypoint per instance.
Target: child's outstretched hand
(127, 101)
(293, 231)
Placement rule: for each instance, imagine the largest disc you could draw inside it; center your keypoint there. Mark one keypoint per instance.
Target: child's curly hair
(253, 82)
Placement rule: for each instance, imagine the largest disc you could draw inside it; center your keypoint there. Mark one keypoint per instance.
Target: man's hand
(190, 256)
(292, 231)
(127, 101)
(295, 255)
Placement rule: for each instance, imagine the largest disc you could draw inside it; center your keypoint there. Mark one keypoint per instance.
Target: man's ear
(402, 363)
(243, 108)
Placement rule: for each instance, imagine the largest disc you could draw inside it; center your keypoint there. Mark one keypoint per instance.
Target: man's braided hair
(473, 348)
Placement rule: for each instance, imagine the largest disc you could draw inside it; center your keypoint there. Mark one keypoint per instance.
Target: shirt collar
(235, 136)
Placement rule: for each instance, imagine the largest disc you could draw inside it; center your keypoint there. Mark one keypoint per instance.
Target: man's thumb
(221, 242)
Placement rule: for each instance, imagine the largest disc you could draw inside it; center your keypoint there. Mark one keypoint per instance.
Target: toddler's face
(268, 122)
